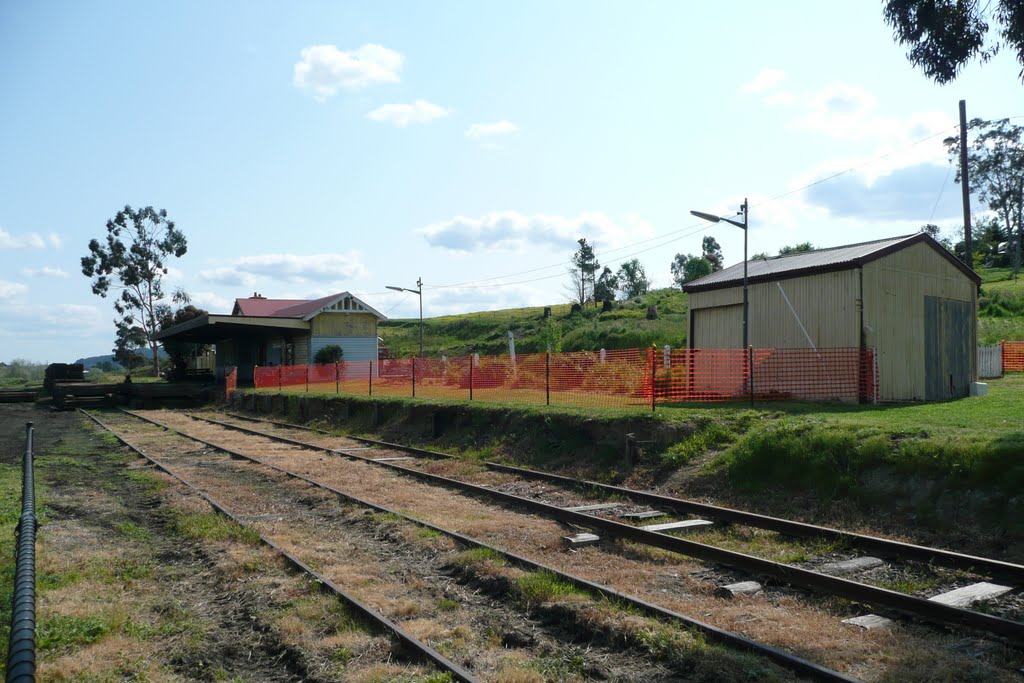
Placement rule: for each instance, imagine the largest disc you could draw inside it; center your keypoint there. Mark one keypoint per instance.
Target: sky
(311, 148)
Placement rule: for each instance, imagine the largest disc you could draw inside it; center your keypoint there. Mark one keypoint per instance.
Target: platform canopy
(210, 328)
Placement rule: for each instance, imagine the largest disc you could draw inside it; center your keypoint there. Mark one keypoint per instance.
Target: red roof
(280, 308)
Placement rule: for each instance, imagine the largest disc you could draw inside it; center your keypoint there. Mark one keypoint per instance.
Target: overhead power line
(688, 230)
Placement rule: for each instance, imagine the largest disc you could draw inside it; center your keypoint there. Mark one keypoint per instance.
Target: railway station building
(262, 331)
(907, 298)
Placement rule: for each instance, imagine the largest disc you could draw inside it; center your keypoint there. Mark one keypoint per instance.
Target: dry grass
(786, 622)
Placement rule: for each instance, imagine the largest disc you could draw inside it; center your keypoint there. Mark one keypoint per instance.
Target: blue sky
(310, 148)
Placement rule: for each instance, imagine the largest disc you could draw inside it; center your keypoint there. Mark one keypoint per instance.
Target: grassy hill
(1000, 306)
(1001, 316)
(624, 327)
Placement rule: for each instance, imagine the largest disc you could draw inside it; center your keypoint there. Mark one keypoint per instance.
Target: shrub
(332, 353)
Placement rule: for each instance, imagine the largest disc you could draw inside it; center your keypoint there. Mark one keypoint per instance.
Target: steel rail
(784, 659)
(21, 650)
(881, 546)
(795, 576)
(376, 617)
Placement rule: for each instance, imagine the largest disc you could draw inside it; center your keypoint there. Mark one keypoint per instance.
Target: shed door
(947, 348)
(720, 327)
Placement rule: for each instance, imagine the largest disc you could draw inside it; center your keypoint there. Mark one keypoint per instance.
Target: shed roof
(820, 261)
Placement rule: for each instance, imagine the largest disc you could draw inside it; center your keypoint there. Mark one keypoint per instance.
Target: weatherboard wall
(344, 324)
(354, 349)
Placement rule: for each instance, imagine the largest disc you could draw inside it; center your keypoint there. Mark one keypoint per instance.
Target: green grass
(475, 557)
(212, 527)
(63, 632)
(538, 587)
(933, 449)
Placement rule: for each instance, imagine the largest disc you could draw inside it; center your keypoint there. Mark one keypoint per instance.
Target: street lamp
(746, 327)
(419, 292)
(715, 219)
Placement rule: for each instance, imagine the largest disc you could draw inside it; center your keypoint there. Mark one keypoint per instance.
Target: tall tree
(686, 268)
(712, 252)
(632, 279)
(607, 283)
(944, 35)
(995, 162)
(583, 274)
(133, 260)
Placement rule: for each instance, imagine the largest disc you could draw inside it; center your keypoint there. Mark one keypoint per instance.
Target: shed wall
(826, 304)
(895, 287)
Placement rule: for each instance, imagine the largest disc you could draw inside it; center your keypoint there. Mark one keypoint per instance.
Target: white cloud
(513, 231)
(211, 302)
(45, 271)
(45, 321)
(324, 69)
(11, 290)
(29, 240)
(482, 130)
(766, 79)
(402, 115)
(293, 268)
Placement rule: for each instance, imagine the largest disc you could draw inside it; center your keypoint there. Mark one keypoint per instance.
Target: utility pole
(965, 187)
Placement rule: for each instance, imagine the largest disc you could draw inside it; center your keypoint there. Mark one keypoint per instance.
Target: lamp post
(715, 219)
(746, 313)
(418, 292)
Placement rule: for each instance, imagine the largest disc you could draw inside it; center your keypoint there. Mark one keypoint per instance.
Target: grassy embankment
(1001, 306)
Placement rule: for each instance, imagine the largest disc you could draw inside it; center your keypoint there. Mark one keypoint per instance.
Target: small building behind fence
(274, 332)
(906, 298)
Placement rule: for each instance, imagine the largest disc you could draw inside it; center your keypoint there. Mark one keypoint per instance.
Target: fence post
(279, 368)
(414, 376)
(307, 378)
(547, 375)
(254, 385)
(371, 378)
(750, 372)
(471, 377)
(337, 379)
(650, 361)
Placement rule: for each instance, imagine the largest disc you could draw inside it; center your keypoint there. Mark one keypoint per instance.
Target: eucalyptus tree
(131, 261)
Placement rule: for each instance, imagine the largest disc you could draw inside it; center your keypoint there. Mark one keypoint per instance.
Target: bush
(332, 353)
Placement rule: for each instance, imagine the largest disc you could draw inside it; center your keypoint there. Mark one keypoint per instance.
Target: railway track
(886, 548)
(798, 665)
(300, 454)
(949, 609)
(406, 638)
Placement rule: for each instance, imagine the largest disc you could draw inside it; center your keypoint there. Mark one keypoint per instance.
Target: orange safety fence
(230, 381)
(711, 375)
(1013, 356)
(632, 377)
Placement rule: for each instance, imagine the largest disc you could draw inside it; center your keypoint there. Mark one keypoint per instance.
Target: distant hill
(93, 361)
(624, 327)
